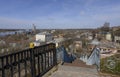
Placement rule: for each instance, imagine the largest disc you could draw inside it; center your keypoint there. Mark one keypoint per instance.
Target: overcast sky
(58, 13)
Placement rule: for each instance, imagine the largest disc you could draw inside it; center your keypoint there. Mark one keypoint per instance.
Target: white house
(44, 37)
(108, 36)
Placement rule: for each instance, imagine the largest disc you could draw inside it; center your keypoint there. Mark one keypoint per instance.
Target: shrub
(111, 64)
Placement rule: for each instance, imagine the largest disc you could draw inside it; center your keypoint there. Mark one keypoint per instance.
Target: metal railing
(33, 62)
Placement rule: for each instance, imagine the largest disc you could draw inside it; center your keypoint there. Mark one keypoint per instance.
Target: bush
(111, 64)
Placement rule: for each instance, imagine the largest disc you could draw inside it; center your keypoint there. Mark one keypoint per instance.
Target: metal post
(3, 70)
(11, 65)
(32, 62)
(19, 72)
(25, 64)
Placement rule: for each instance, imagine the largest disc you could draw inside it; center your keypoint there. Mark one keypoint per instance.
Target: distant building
(13, 44)
(117, 39)
(92, 44)
(2, 42)
(106, 27)
(52, 31)
(109, 36)
(44, 37)
(115, 28)
(59, 41)
(78, 46)
(34, 29)
(117, 36)
(107, 50)
(106, 24)
(90, 37)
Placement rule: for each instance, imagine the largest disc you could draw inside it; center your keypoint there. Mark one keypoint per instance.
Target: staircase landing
(75, 69)
(72, 71)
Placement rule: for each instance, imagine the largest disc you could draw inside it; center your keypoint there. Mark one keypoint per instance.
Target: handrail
(33, 61)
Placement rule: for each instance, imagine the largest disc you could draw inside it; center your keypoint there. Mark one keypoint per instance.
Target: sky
(45, 14)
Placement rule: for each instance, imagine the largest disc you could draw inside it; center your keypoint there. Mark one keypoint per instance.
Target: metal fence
(59, 53)
(34, 62)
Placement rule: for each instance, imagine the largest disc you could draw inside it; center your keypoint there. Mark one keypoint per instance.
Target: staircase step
(79, 63)
(71, 71)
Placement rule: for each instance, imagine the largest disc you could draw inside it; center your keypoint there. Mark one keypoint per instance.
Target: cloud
(65, 13)
(82, 12)
(12, 21)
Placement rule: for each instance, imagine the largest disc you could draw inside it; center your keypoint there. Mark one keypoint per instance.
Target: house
(115, 28)
(109, 36)
(77, 46)
(117, 36)
(117, 39)
(44, 37)
(2, 42)
(92, 44)
(59, 41)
